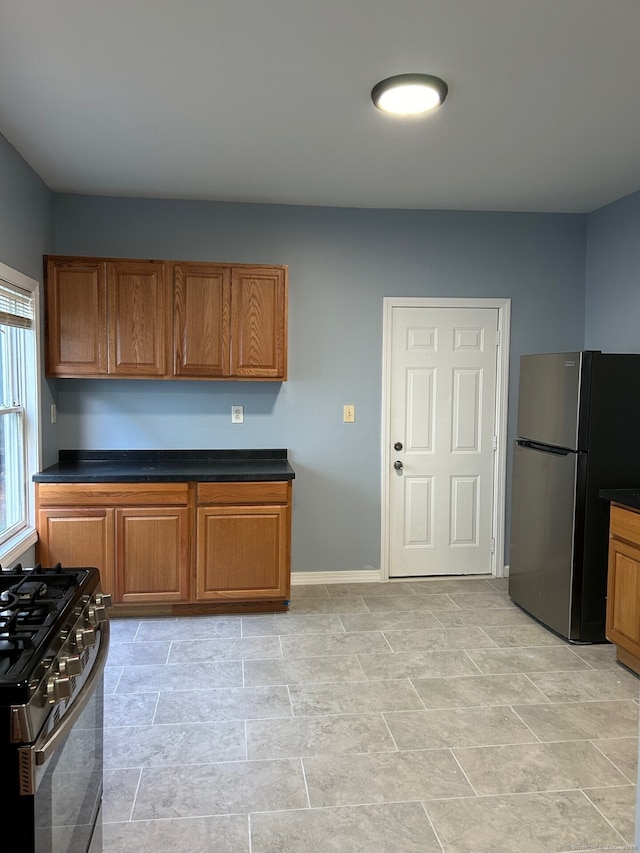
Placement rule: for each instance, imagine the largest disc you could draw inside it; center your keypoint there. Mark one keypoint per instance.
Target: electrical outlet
(349, 414)
(237, 414)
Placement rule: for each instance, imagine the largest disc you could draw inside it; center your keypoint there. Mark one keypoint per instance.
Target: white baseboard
(355, 576)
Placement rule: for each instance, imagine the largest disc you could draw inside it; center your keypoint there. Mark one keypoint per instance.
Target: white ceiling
(268, 100)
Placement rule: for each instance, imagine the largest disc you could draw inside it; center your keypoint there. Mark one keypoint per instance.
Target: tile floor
(427, 716)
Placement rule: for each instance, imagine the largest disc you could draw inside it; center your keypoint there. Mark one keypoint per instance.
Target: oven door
(61, 772)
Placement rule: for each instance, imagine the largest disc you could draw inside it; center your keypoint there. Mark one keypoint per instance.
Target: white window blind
(16, 306)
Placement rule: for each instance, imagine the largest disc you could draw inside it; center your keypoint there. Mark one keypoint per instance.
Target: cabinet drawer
(113, 494)
(244, 493)
(625, 524)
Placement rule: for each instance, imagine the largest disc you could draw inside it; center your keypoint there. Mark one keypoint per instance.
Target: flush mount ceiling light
(409, 94)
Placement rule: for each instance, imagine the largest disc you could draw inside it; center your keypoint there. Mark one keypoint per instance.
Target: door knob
(398, 465)
(397, 445)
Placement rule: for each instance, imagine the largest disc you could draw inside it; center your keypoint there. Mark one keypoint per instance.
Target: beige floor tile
(583, 686)
(458, 727)
(623, 752)
(523, 635)
(360, 697)
(530, 659)
(231, 833)
(368, 589)
(258, 673)
(525, 823)
(482, 617)
(282, 624)
(477, 691)
(388, 827)
(580, 720)
(346, 643)
(617, 805)
(435, 639)
(528, 768)
(336, 780)
(417, 664)
(311, 590)
(389, 603)
(392, 621)
(320, 735)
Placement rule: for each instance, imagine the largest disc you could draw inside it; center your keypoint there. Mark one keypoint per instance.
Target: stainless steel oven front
(52, 765)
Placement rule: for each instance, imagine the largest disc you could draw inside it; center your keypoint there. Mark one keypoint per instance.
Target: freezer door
(541, 578)
(548, 398)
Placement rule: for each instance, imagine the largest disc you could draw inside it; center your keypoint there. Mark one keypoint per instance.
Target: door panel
(443, 412)
(542, 534)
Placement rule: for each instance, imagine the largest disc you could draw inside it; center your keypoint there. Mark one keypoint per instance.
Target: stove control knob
(104, 599)
(71, 665)
(85, 637)
(58, 688)
(97, 614)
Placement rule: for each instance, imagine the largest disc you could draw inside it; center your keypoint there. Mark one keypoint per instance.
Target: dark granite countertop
(626, 497)
(148, 466)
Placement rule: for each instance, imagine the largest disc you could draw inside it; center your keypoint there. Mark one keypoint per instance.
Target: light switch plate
(237, 414)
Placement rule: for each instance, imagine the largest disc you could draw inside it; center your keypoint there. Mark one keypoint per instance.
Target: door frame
(500, 416)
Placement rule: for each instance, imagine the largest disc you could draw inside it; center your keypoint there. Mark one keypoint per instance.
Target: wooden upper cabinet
(76, 317)
(201, 312)
(164, 319)
(259, 323)
(139, 319)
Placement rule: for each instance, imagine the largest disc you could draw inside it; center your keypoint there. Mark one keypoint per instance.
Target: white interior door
(442, 439)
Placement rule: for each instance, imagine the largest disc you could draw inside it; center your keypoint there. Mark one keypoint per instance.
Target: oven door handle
(39, 753)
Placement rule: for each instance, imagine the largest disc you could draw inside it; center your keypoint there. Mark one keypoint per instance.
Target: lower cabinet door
(78, 537)
(623, 601)
(152, 564)
(242, 553)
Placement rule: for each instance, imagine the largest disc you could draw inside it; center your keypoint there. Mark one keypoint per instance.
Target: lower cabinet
(623, 586)
(78, 536)
(243, 534)
(152, 555)
(178, 547)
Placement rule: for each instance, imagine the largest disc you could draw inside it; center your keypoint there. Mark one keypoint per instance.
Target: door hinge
(498, 338)
(493, 546)
(495, 442)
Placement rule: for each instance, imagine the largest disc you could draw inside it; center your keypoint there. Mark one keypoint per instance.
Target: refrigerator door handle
(542, 448)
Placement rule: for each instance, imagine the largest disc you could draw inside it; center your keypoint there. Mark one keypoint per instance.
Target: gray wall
(613, 277)
(613, 297)
(341, 265)
(26, 233)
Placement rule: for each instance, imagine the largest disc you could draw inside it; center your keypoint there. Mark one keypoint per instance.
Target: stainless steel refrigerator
(578, 433)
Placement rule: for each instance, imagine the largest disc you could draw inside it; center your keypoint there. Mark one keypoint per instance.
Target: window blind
(16, 306)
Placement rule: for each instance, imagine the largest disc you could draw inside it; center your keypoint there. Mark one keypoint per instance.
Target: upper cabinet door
(76, 317)
(138, 318)
(259, 323)
(202, 308)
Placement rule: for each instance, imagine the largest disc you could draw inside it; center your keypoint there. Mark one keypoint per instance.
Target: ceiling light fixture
(409, 94)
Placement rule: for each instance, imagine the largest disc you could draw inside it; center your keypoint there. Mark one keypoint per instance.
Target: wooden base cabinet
(135, 534)
(243, 535)
(174, 548)
(152, 562)
(79, 536)
(623, 586)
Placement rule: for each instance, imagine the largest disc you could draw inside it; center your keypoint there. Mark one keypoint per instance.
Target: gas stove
(48, 621)
(54, 640)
